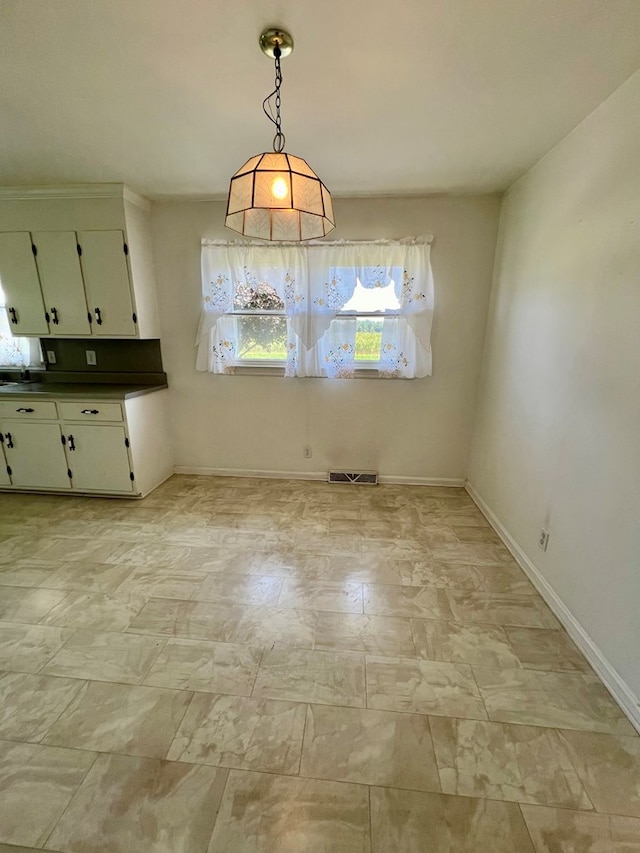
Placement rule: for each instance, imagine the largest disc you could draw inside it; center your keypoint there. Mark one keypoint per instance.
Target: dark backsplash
(112, 356)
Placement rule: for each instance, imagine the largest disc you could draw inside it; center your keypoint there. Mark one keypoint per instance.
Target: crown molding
(75, 191)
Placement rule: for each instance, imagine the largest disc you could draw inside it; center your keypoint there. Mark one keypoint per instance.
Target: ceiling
(417, 96)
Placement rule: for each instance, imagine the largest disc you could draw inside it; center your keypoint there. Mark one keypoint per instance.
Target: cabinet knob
(90, 412)
(25, 410)
(72, 445)
(98, 316)
(14, 316)
(7, 435)
(54, 314)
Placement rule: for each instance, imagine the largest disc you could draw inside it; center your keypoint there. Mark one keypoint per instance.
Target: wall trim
(110, 190)
(613, 681)
(388, 479)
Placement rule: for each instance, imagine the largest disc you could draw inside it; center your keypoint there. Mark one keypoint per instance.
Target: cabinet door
(35, 454)
(61, 280)
(5, 479)
(106, 278)
(98, 457)
(21, 286)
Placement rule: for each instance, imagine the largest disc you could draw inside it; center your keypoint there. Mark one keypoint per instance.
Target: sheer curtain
(315, 282)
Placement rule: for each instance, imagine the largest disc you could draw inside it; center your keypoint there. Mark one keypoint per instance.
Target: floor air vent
(365, 478)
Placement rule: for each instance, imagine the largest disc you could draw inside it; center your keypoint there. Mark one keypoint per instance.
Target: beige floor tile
(506, 762)
(412, 822)
(67, 549)
(207, 667)
(459, 642)
(568, 700)
(120, 718)
(146, 554)
(271, 627)
(105, 657)
(321, 595)
(300, 675)
(22, 604)
(369, 747)
(25, 573)
(375, 635)
(248, 734)
(96, 611)
(10, 848)
(264, 813)
(502, 579)
(26, 648)
(85, 576)
(29, 704)
(423, 602)
(498, 609)
(161, 582)
(36, 785)
(423, 687)
(563, 831)
(141, 804)
(474, 553)
(540, 649)
(355, 568)
(239, 589)
(609, 767)
(200, 620)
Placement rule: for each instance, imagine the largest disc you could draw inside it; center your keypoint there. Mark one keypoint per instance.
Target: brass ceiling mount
(273, 37)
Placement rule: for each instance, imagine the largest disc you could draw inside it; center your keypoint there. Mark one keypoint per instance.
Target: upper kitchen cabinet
(61, 281)
(106, 280)
(77, 261)
(21, 286)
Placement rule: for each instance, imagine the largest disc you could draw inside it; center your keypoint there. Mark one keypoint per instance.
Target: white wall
(557, 438)
(414, 429)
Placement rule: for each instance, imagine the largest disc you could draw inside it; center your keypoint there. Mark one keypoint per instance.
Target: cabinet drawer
(90, 412)
(29, 409)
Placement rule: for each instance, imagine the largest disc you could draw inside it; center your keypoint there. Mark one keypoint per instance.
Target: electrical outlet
(306, 451)
(91, 357)
(543, 539)
(51, 356)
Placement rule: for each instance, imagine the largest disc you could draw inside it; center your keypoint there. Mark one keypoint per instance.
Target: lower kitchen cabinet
(35, 455)
(104, 446)
(5, 479)
(98, 458)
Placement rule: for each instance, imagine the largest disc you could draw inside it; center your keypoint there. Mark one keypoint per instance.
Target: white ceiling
(380, 97)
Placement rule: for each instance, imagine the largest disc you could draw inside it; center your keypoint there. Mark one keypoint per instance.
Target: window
(260, 324)
(16, 352)
(323, 309)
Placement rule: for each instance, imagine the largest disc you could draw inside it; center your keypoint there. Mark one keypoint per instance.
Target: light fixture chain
(278, 139)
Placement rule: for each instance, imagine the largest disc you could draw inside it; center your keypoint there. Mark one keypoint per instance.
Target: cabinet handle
(98, 316)
(71, 443)
(7, 435)
(90, 412)
(14, 316)
(25, 410)
(54, 314)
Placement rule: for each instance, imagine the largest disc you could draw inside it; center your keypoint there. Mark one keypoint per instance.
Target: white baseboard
(247, 472)
(388, 479)
(612, 680)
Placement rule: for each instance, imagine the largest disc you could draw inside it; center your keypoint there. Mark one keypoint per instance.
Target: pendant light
(275, 195)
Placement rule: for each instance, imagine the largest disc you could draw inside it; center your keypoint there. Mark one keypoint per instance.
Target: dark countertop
(76, 391)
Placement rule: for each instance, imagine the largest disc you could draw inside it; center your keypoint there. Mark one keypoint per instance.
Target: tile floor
(252, 666)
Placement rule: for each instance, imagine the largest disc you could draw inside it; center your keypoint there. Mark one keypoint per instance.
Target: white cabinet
(61, 281)
(92, 273)
(5, 479)
(98, 458)
(35, 454)
(21, 286)
(117, 447)
(106, 278)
